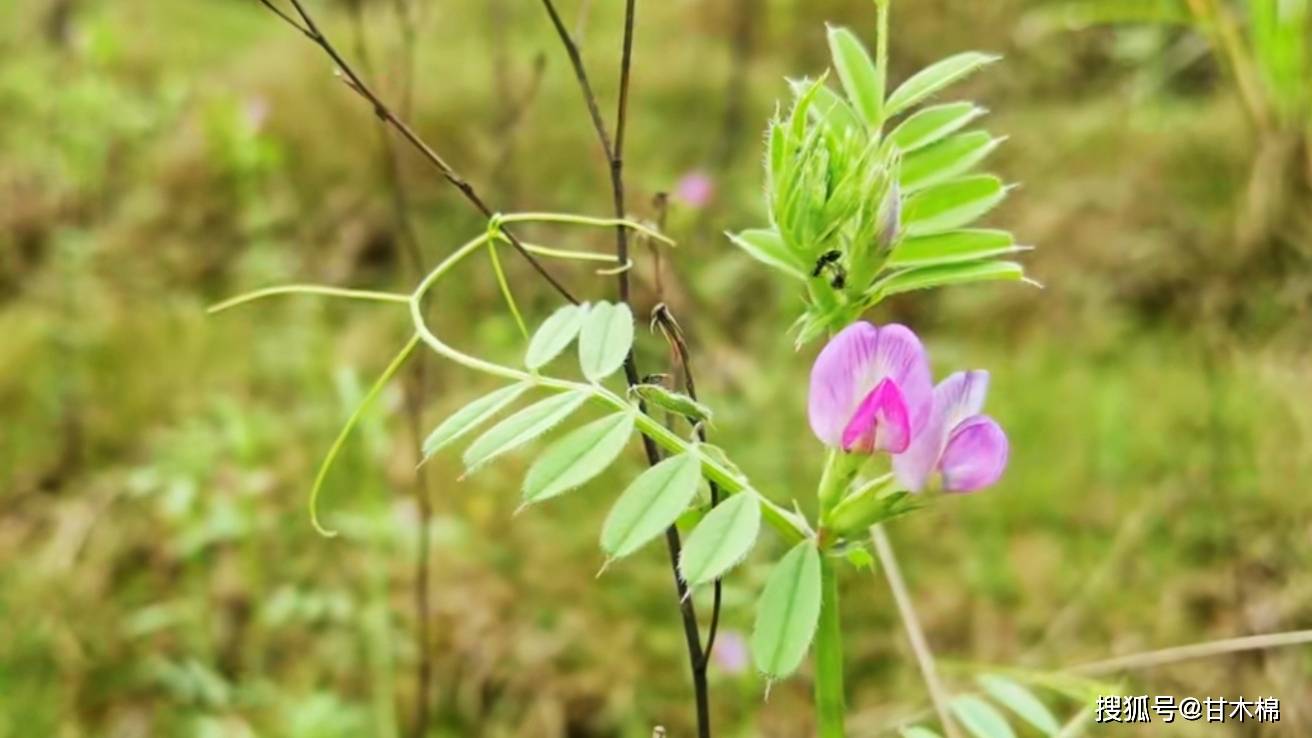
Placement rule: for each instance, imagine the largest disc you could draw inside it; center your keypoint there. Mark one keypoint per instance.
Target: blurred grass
(158, 575)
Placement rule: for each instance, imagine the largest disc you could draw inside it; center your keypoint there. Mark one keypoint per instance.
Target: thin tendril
(505, 287)
(308, 289)
(587, 220)
(351, 422)
(788, 525)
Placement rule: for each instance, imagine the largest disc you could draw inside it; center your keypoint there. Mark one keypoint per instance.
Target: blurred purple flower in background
(256, 112)
(970, 450)
(695, 189)
(730, 653)
(870, 389)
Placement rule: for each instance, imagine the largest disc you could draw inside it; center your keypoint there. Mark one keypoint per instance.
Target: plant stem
(1221, 30)
(309, 28)
(840, 469)
(1193, 651)
(919, 645)
(683, 360)
(614, 151)
(881, 54)
(829, 704)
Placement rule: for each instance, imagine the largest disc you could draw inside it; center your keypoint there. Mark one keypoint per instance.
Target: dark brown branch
(585, 86)
(310, 29)
(683, 360)
(614, 151)
(289, 20)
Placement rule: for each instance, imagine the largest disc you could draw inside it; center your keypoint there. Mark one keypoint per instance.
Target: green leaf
(522, 427)
(951, 205)
(941, 276)
(470, 417)
(933, 124)
(721, 540)
(1020, 701)
(980, 718)
(777, 159)
(605, 339)
(953, 247)
(721, 457)
(827, 106)
(577, 457)
(1280, 38)
(861, 559)
(831, 108)
(675, 402)
(554, 336)
(918, 732)
(768, 247)
(932, 79)
(946, 159)
(857, 73)
(651, 504)
(788, 612)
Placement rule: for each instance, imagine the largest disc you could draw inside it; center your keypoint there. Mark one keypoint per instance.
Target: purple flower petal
(975, 456)
(695, 189)
(956, 398)
(962, 395)
(857, 360)
(731, 652)
(880, 423)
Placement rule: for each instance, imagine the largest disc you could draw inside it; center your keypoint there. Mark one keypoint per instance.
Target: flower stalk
(830, 706)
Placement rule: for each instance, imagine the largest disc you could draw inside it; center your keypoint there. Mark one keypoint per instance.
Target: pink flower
(871, 389)
(695, 189)
(970, 450)
(730, 653)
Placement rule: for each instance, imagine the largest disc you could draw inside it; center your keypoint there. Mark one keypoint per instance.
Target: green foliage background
(158, 574)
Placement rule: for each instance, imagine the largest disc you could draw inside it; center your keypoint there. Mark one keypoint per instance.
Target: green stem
(840, 469)
(829, 705)
(309, 289)
(881, 59)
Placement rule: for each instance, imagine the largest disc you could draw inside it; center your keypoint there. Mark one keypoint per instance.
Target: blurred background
(158, 572)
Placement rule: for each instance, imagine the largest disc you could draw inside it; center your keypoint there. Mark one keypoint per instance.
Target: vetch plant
(888, 431)
(871, 194)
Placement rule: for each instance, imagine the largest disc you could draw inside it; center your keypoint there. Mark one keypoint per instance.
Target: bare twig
(613, 149)
(581, 74)
(312, 35)
(919, 645)
(310, 29)
(1150, 659)
(683, 360)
